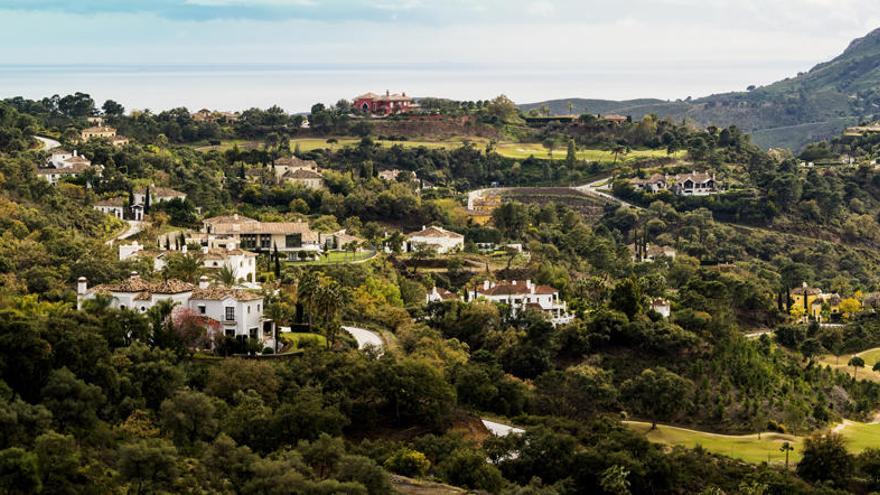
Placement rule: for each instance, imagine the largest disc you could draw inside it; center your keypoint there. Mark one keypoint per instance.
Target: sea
(296, 87)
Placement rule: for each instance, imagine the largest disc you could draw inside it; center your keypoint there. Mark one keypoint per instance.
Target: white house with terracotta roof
(520, 295)
(662, 307)
(238, 311)
(215, 255)
(442, 240)
(651, 253)
(693, 184)
(63, 164)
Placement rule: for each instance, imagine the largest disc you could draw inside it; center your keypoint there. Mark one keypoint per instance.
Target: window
(248, 241)
(293, 241)
(249, 309)
(230, 314)
(230, 332)
(202, 309)
(265, 242)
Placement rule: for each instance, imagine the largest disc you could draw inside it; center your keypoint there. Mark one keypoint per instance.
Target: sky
(530, 49)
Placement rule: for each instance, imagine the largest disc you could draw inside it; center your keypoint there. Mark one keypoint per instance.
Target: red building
(386, 104)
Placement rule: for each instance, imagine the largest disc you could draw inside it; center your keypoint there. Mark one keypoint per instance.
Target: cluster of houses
(689, 184)
(64, 164)
(205, 115)
(125, 209)
(291, 170)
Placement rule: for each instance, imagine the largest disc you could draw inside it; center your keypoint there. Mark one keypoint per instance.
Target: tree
(59, 459)
(365, 471)
(19, 473)
(786, 448)
(850, 306)
(189, 416)
(614, 480)
(856, 362)
(550, 145)
(826, 459)
(408, 462)
(73, 402)
(226, 275)
(627, 297)
(571, 153)
(149, 465)
(112, 109)
(657, 393)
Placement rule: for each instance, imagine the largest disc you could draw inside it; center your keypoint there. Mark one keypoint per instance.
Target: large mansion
(288, 237)
(386, 104)
(103, 132)
(292, 170)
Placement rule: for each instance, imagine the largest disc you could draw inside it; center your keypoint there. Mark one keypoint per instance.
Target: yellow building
(816, 301)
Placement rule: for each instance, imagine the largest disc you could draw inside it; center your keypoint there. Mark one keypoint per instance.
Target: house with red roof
(387, 104)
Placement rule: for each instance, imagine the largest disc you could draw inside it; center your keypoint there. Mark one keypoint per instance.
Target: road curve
(500, 429)
(365, 337)
(48, 144)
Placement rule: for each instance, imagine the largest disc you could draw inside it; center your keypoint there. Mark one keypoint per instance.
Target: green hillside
(790, 113)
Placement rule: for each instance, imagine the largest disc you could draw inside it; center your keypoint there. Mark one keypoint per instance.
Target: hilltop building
(387, 104)
(690, 184)
(157, 195)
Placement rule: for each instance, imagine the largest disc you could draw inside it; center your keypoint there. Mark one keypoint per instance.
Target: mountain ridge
(817, 104)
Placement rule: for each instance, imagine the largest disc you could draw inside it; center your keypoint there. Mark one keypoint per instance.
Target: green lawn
(859, 436)
(841, 363)
(297, 339)
(333, 257)
(745, 447)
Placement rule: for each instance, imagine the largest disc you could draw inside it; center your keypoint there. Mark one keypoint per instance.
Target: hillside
(790, 113)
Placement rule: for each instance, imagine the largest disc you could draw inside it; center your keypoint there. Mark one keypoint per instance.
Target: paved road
(133, 229)
(365, 337)
(501, 430)
(48, 144)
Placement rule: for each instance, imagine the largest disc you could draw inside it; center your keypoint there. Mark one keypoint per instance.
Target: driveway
(133, 229)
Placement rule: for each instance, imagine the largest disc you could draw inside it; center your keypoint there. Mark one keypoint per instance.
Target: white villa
(239, 312)
(112, 206)
(157, 195)
(292, 170)
(439, 294)
(290, 238)
(442, 240)
(310, 179)
(216, 254)
(523, 294)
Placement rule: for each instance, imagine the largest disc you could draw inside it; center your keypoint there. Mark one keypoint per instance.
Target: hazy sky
(750, 41)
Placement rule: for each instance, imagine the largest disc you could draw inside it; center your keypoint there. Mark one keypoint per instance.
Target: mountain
(790, 113)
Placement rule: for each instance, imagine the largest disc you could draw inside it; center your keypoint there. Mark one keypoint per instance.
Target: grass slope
(750, 448)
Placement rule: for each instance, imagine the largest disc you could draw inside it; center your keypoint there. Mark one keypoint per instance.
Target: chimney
(485, 285)
(82, 286)
(134, 276)
(529, 284)
(203, 282)
(204, 249)
(183, 248)
(387, 92)
(74, 152)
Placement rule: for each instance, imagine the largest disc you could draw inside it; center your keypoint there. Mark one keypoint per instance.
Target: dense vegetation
(107, 400)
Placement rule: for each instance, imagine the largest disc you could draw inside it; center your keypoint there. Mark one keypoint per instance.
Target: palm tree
(330, 298)
(305, 293)
(226, 276)
(186, 267)
(618, 151)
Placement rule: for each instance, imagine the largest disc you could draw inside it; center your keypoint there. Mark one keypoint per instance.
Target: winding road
(365, 338)
(133, 229)
(48, 143)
